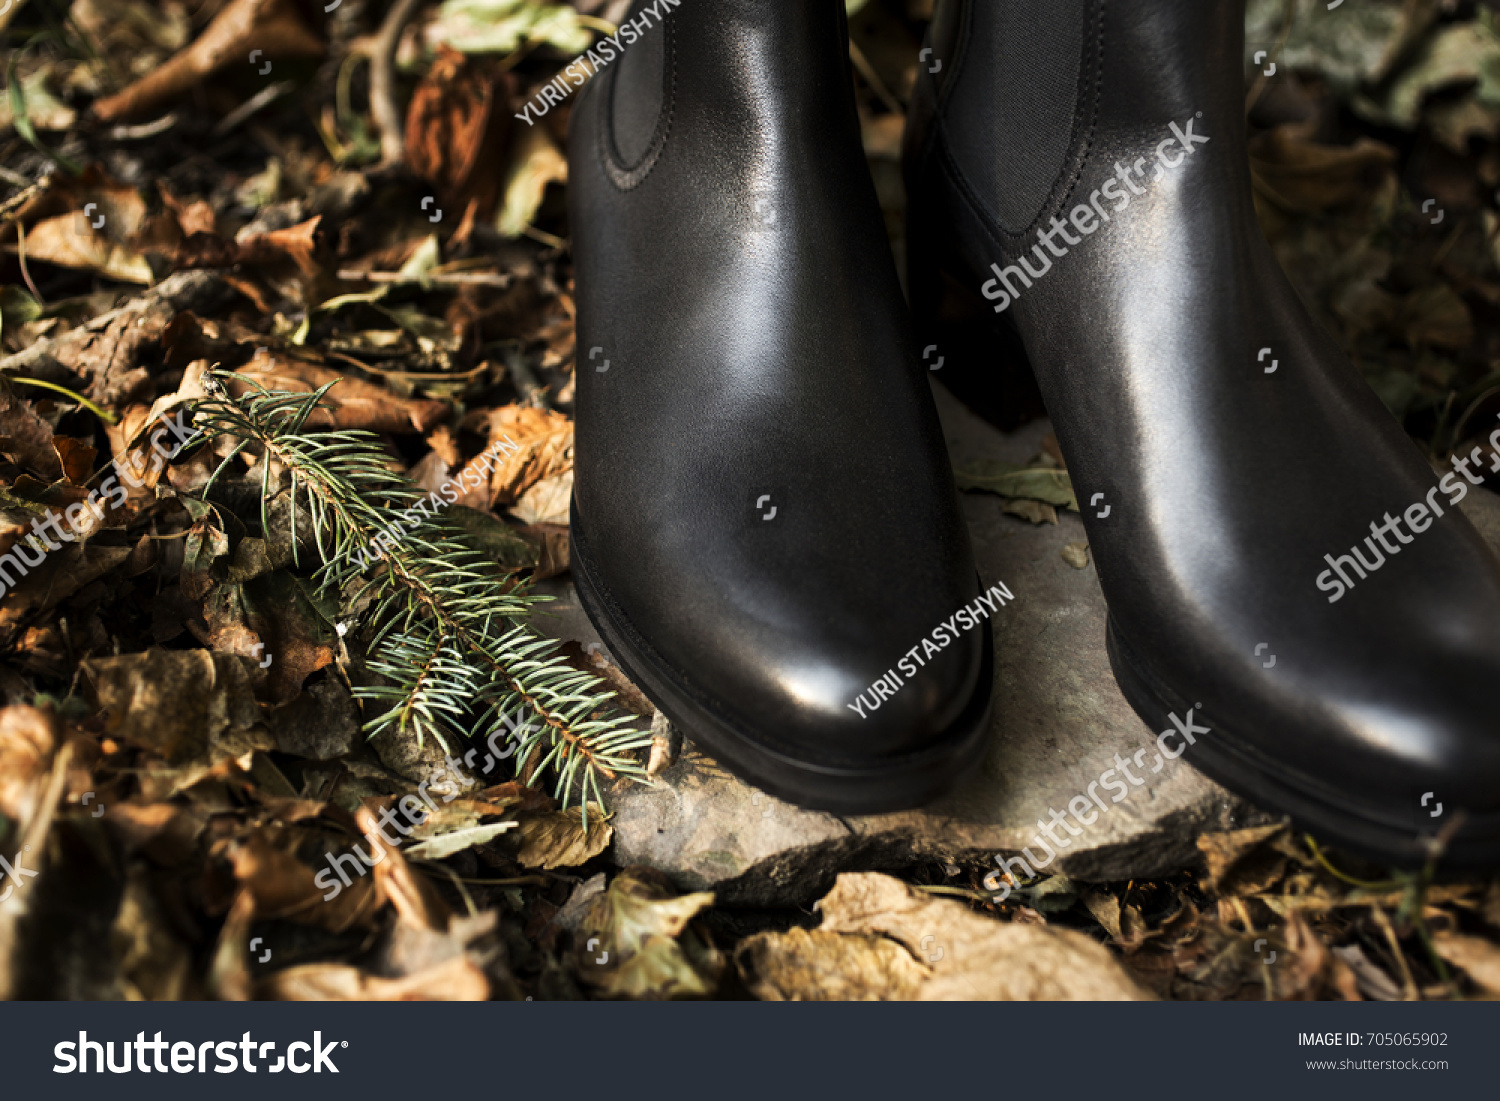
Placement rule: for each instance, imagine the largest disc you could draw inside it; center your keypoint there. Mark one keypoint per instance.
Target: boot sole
(879, 786)
(1231, 759)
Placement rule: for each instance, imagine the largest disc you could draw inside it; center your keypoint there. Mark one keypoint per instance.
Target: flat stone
(1059, 722)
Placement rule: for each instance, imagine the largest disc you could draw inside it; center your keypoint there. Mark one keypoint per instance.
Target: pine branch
(449, 631)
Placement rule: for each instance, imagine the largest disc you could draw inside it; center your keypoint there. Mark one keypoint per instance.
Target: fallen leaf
(109, 350)
(1474, 956)
(1303, 176)
(1243, 862)
(535, 163)
(29, 437)
(456, 980)
(1035, 483)
(547, 502)
(827, 966)
(190, 706)
(1076, 555)
(634, 941)
(353, 403)
(951, 953)
(446, 844)
(558, 839)
(456, 131)
(71, 242)
(28, 739)
(283, 888)
(545, 450)
(272, 27)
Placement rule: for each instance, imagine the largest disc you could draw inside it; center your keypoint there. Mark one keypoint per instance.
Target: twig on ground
(25, 272)
(383, 106)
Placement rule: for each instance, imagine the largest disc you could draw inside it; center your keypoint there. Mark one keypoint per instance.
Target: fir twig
(449, 632)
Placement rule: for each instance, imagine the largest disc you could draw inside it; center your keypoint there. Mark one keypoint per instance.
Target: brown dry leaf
(1474, 956)
(193, 215)
(59, 576)
(456, 980)
(819, 965)
(1076, 555)
(77, 458)
(1106, 910)
(535, 162)
(31, 837)
(455, 136)
(269, 618)
(960, 954)
(558, 839)
(69, 241)
(416, 902)
(29, 437)
(154, 964)
(1310, 971)
(273, 27)
(191, 706)
(634, 942)
(1435, 316)
(166, 833)
(353, 403)
(555, 557)
(28, 738)
(229, 971)
(138, 464)
(545, 449)
(1035, 512)
(548, 502)
(295, 243)
(1241, 862)
(110, 349)
(284, 888)
(440, 846)
(1302, 176)
(93, 223)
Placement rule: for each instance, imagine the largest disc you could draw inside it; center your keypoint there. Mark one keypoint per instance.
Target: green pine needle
(449, 633)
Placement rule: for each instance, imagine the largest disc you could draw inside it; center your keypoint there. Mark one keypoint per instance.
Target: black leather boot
(764, 523)
(1285, 575)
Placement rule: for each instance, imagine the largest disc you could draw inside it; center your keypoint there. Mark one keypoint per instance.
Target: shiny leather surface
(1226, 485)
(737, 279)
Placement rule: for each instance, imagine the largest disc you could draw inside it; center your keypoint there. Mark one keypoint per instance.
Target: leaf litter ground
(181, 754)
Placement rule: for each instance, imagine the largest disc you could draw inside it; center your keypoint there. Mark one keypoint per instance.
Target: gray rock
(1059, 722)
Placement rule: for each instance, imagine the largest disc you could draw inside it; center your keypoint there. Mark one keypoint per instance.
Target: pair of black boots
(765, 527)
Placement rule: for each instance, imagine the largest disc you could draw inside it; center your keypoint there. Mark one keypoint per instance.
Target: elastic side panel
(639, 86)
(1010, 117)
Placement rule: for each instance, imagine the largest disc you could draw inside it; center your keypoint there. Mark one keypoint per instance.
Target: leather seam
(628, 179)
(1059, 195)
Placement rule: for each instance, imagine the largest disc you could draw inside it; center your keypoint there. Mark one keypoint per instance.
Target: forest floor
(304, 193)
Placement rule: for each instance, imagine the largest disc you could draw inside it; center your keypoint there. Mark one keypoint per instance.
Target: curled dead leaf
(272, 27)
(942, 952)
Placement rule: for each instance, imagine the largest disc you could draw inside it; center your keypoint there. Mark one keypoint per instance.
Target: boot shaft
(1024, 102)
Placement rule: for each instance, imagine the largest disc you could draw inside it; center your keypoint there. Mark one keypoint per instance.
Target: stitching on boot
(628, 179)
